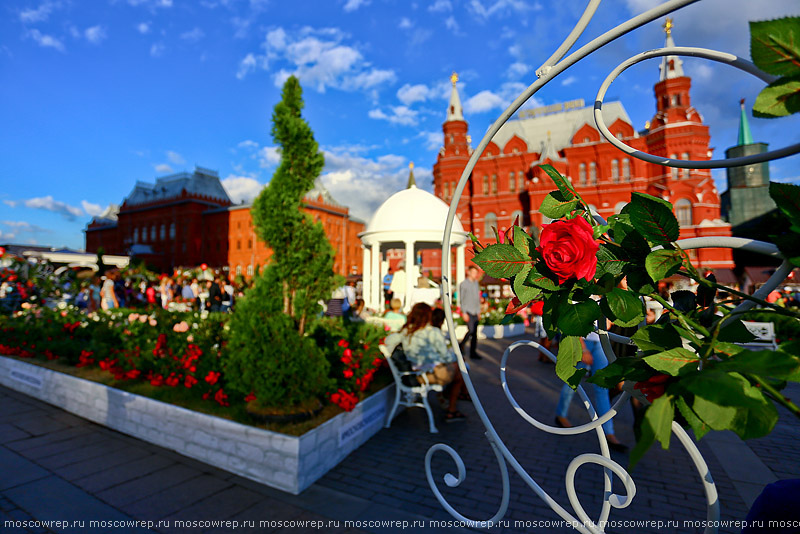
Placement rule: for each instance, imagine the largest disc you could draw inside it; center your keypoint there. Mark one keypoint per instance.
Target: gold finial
(454, 78)
(411, 166)
(548, 134)
(668, 26)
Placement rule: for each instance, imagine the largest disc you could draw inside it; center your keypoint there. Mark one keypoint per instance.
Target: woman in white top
(107, 295)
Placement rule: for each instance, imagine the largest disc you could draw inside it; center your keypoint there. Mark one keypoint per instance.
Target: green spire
(745, 137)
(411, 181)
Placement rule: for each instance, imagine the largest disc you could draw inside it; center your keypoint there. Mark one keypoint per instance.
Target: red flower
(157, 380)
(220, 397)
(251, 397)
(348, 353)
(212, 377)
(343, 343)
(189, 381)
(569, 249)
(653, 387)
(133, 373)
(172, 380)
(348, 373)
(346, 401)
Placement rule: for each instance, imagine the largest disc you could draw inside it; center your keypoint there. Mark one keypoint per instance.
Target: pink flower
(153, 322)
(132, 317)
(182, 326)
(190, 338)
(142, 318)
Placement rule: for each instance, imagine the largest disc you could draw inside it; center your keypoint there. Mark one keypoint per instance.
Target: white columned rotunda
(412, 220)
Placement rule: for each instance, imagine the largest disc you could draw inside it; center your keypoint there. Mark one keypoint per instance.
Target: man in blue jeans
(602, 404)
(470, 293)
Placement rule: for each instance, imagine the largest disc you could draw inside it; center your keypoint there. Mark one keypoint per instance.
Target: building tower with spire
(747, 197)
(507, 182)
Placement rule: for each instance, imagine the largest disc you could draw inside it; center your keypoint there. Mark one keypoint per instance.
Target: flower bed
(288, 463)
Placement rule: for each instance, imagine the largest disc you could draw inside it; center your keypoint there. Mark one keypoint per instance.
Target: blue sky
(95, 95)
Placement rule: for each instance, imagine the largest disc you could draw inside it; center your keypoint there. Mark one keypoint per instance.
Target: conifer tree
(302, 256)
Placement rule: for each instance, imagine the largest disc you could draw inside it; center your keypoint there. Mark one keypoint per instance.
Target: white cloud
(498, 7)
(440, 6)
(248, 144)
(405, 24)
(92, 209)
(242, 188)
(569, 80)
(163, 168)
(95, 34)
(352, 5)
(408, 94)
(488, 100)
(143, 27)
(451, 24)
(40, 14)
(518, 70)
(47, 41)
(319, 58)
(150, 3)
(399, 115)
(157, 49)
(175, 158)
(48, 203)
(10, 203)
(432, 140)
(364, 183)
(269, 156)
(193, 36)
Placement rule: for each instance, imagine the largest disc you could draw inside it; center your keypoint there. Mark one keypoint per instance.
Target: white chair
(408, 390)
(765, 336)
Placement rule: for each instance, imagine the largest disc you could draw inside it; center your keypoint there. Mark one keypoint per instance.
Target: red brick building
(507, 183)
(188, 219)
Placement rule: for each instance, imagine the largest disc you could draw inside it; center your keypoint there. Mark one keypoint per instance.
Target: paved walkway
(55, 466)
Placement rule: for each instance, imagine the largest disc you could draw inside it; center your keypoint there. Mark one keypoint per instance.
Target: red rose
(569, 249)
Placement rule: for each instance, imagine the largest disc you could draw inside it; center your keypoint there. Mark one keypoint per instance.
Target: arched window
(485, 185)
(626, 169)
(615, 170)
(674, 169)
(172, 231)
(619, 206)
(686, 172)
(582, 174)
(512, 182)
(592, 173)
(444, 190)
(153, 233)
(489, 222)
(238, 270)
(683, 212)
(163, 232)
(135, 235)
(250, 270)
(520, 181)
(494, 184)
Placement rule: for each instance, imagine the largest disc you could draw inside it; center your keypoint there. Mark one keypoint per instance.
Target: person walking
(470, 291)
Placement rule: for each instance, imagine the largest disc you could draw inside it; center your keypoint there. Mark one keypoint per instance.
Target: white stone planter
(288, 463)
(493, 331)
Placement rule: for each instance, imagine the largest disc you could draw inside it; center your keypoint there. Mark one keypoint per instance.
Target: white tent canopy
(413, 220)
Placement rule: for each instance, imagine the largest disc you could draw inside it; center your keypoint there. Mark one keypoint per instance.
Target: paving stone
(100, 464)
(122, 473)
(9, 432)
(177, 497)
(145, 486)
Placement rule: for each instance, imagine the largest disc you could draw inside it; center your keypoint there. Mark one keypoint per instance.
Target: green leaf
(663, 263)
(522, 241)
(775, 45)
(683, 301)
(659, 416)
(577, 319)
(524, 292)
(699, 427)
(765, 363)
(623, 233)
(715, 416)
(657, 337)
(726, 350)
(787, 198)
(633, 369)
(540, 276)
(645, 440)
(563, 185)
(778, 99)
(556, 206)
(735, 332)
(501, 260)
(570, 351)
(623, 307)
(757, 419)
(608, 261)
(672, 361)
(599, 230)
(789, 245)
(640, 281)
(653, 218)
(722, 388)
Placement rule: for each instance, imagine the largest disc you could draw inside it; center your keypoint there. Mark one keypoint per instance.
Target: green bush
(267, 356)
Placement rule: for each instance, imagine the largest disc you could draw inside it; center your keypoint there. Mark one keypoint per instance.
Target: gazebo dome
(413, 212)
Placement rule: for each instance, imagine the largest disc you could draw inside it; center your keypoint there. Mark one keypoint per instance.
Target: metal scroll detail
(555, 65)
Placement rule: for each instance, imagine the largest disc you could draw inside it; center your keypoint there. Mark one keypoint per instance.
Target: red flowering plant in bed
(690, 365)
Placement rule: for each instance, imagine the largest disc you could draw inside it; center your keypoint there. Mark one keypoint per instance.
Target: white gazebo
(411, 219)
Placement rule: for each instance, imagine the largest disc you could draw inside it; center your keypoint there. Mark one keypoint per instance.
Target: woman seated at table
(424, 346)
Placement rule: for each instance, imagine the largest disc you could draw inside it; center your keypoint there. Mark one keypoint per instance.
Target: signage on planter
(359, 425)
(27, 379)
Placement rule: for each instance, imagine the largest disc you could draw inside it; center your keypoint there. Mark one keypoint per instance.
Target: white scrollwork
(551, 68)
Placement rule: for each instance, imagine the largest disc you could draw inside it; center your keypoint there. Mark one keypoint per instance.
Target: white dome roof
(415, 214)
